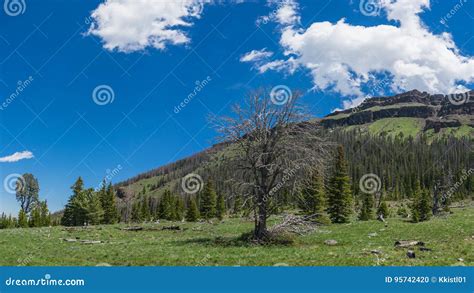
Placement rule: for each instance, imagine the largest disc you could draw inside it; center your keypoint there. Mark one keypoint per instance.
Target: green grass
(205, 244)
(394, 126)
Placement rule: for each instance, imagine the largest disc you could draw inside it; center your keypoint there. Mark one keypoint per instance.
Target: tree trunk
(260, 232)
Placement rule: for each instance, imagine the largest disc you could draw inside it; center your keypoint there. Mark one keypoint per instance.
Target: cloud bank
(343, 57)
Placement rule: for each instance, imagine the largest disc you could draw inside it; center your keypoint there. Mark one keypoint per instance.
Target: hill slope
(419, 115)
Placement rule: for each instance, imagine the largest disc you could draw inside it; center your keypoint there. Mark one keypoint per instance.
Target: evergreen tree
(45, 216)
(136, 212)
(178, 214)
(192, 212)
(237, 205)
(367, 212)
(415, 204)
(166, 206)
(22, 219)
(109, 206)
(383, 210)
(339, 191)
(313, 196)
(94, 211)
(208, 201)
(35, 217)
(220, 207)
(424, 207)
(74, 215)
(145, 209)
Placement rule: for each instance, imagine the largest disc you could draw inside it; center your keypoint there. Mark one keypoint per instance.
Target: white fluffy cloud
(131, 25)
(17, 157)
(256, 55)
(343, 57)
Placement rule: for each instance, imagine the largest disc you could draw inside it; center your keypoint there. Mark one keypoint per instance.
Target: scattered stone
(372, 234)
(375, 251)
(103, 264)
(461, 259)
(411, 254)
(281, 264)
(330, 242)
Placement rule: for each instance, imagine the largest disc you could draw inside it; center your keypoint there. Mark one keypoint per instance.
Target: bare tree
(271, 145)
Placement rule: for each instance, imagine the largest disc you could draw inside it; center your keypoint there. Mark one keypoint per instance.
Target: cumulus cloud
(132, 25)
(343, 57)
(17, 157)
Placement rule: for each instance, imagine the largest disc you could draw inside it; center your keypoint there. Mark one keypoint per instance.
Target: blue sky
(53, 54)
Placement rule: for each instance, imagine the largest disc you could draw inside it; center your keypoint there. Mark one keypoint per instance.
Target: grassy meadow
(450, 240)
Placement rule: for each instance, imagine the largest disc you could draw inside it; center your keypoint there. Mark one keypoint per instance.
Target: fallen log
(408, 243)
(171, 228)
(133, 228)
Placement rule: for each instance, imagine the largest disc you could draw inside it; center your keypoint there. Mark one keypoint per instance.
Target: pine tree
(367, 212)
(383, 210)
(208, 201)
(339, 191)
(237, 205)
(415, 204)
(178, 209)
(166, 206)
(35, 217)
(136, 212)
(425, 208)
(145, 209)
(313, 196)
(22, 219)
(45, 216)
(94, 211)
(74, 214)
(192, 212)
(220, 207)
(110, 207)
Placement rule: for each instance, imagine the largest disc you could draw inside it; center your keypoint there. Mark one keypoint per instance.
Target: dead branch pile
(294, 224)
